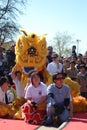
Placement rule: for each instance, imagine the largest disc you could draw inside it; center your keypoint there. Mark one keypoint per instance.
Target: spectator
(55, 65)
(16, 77)
(11, 89)
(78, 63)
(82, 80)
(58, 100)
(80, 57)
(10, 54)
(61, 59)
(72, 70)
(49, 56)
(74, 51)
(3, 62)
(85, 61)
(74, 58)
(66, 64)
(5, 95)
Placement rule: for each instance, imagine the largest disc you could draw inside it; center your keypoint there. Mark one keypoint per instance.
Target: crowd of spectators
(7, 60)
(74, 66)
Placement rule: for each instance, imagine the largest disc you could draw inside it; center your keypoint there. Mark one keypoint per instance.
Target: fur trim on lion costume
(79, 102)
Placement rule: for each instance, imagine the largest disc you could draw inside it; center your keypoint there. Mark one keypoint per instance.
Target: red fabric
(13, 86)
(32, 115)
(9, 124)
(78, 122)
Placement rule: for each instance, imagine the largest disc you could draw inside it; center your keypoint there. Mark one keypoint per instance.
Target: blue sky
(52, 16)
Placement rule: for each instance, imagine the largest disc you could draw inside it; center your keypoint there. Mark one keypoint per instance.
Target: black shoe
(56, 124)
(48, 122)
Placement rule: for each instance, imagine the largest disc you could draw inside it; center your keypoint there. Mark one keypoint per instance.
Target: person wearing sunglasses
(58, 100)
(55, 65)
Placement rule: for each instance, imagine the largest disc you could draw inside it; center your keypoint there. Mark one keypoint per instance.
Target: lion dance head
(31, 50)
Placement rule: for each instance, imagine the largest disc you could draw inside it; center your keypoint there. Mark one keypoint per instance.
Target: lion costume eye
(33, 35)
(43, 45)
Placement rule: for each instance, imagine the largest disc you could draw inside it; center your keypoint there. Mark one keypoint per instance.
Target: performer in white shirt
(16, 76)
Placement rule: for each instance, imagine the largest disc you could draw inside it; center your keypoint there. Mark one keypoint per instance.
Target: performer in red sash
(34, 110)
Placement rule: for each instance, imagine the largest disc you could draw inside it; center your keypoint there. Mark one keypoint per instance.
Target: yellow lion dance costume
(31, 52)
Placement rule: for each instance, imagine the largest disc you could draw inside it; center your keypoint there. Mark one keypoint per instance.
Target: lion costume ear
(24, 32)
(44, 35)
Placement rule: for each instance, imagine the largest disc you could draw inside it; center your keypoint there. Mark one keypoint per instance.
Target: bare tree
(9, 12)
(62, 43)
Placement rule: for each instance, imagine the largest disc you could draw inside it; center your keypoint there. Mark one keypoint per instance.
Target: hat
(55, 55)
(50, 48)
(82, 66)
(66, 60)
(72, 61)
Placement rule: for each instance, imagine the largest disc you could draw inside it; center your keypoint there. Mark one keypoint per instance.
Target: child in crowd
(6, 96)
